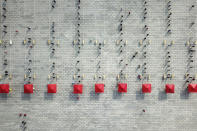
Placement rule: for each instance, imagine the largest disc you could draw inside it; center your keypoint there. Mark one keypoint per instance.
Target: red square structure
(4, 88)
(192, 88)
(122, 87)
(28, 88)
(99, 88)
(77, 88)
(51, 88)
(170, 88)
(146, 88)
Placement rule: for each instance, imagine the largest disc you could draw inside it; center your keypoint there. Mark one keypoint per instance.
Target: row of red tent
(99, 88)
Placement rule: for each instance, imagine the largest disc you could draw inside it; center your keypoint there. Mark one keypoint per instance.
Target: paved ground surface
(99, 21)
